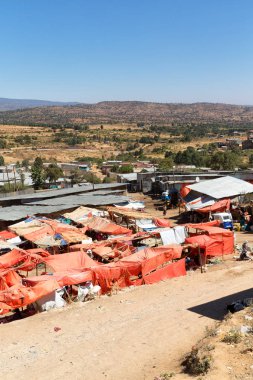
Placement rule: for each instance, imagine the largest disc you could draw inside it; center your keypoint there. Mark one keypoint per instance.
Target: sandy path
(132, 335)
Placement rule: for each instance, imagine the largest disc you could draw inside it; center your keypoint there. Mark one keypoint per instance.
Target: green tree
(125, 169)
(251, 159)
(91, 177)
(75, 176)
(53, 172)
(115, 168)
(74, 140)
(2, 144)
(225, 160)
(78, 176)
(25, 163)
(165, 164)
(38, 173)
(108, 180)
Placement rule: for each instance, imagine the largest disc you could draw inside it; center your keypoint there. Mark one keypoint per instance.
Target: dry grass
(47, 149)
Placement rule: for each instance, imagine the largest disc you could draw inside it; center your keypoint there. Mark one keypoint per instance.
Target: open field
(106, 143)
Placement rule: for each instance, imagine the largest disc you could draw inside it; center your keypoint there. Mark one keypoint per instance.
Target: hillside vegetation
(131, 112)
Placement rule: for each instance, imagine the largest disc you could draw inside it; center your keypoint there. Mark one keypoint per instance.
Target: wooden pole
(8, 178)
(200, 259)
(15, 182)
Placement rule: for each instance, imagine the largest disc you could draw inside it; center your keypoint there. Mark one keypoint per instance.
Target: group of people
(244, 215)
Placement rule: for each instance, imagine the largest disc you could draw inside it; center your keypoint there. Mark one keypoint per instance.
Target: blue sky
(153, 50)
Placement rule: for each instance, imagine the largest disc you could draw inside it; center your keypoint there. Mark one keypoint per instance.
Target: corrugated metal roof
(61, 192)
(13, 213)
(91, 198)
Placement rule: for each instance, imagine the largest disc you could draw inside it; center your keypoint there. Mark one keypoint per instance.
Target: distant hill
(130, 112)
(14, 104)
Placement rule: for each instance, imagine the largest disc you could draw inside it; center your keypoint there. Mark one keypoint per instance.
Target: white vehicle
(225, 219)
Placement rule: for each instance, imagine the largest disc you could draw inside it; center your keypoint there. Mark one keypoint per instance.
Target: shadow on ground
(218, 308)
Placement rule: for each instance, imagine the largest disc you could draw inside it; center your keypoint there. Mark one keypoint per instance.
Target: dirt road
(135, 334)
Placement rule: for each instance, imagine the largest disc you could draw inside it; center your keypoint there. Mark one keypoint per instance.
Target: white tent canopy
(223, 187)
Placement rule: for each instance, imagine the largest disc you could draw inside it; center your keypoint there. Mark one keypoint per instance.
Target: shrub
(232, 337)
(210, 331)
(195, 364)
(165, 376)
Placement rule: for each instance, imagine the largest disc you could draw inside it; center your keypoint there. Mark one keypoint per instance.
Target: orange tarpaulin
(20, 259)
(161, 223)
(77, 267)
(211, 246)
(6, 235)
(113, 250)
(70, 277)
(223, 238)
(213, 223)
(68, 261)
(222, 205)
(8, 278)
(184, 190)
(39, 251)
(108, 249)
(107, 227)
(110, 275)
(19, 296)
(171, 270)
(151, 258)
(35, 229)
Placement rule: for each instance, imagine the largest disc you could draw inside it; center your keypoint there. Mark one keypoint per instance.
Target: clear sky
(153, 50)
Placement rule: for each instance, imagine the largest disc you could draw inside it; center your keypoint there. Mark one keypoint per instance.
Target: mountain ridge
(129, 112)
(9, 104)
